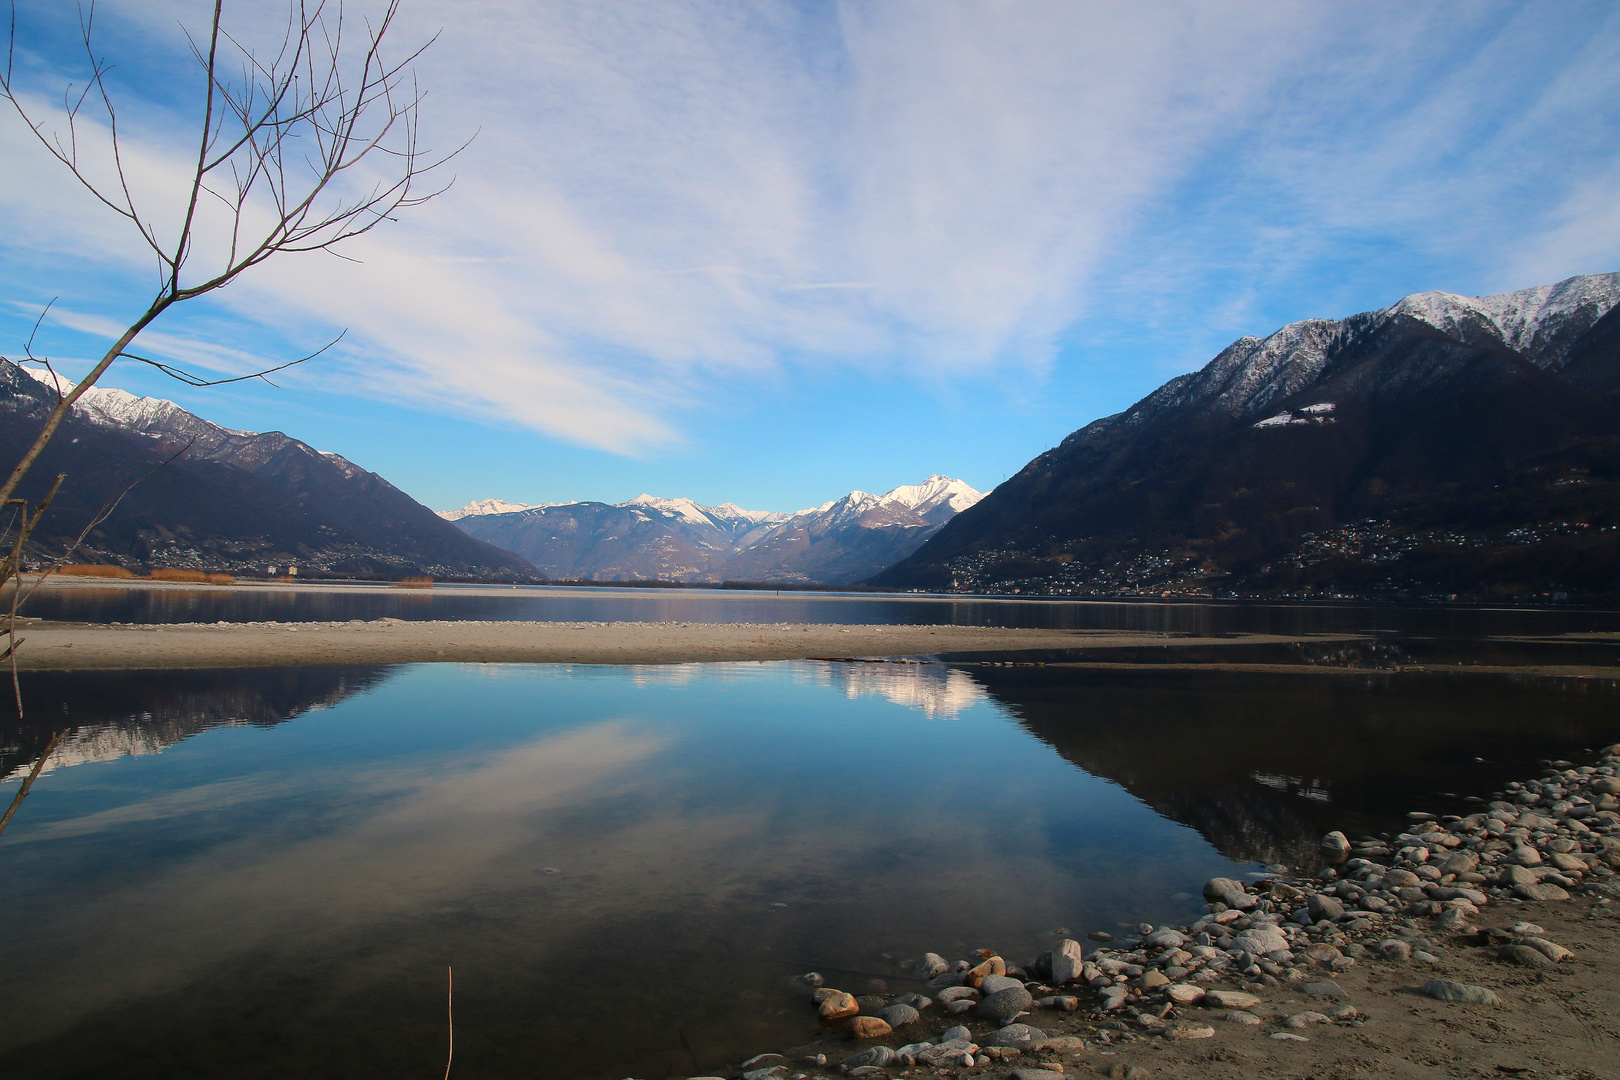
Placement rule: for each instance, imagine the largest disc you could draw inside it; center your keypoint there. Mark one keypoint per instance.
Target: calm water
(265, 873)
(551, 604)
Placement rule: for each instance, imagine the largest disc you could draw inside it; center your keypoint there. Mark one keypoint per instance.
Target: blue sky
(770, 252)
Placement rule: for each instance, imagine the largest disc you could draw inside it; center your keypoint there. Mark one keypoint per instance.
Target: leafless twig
(280, 144)
(33, 774)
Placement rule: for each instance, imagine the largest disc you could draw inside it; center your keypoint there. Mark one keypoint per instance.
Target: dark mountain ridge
(1440, 446)
(235, 501)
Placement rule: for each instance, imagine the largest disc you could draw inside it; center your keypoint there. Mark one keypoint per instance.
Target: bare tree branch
(280, 144)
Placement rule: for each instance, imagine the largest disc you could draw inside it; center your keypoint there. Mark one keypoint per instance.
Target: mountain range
(232, 501)
(1442, 446)
(838, 542)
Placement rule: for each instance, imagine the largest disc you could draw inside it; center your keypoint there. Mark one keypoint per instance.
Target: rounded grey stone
(1003, 1005)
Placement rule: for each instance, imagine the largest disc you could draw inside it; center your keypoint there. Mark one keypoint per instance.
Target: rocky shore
(1468, 945)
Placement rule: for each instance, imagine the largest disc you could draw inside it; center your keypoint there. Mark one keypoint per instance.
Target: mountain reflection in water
(117, 714)
(623, 863)
(1263, 765)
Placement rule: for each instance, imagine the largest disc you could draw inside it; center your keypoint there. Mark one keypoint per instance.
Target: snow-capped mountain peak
(685, 509)
(936, 491)
(119, 408)
(1539, 323)
(843, 539)
(489, 506)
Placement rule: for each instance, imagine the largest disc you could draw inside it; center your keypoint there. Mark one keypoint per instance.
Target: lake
(266, 872)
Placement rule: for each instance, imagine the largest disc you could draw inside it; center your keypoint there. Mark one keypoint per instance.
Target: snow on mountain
(118, 408)
(843, 539)
(1251, 373)
(925, 498)
(1540, 323)
(488, 506)
(936, 491)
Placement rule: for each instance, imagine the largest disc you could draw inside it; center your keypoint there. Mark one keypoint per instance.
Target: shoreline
(1468, 946)
(99, 646)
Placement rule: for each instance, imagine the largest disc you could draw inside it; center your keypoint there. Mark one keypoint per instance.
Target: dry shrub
(220, 579)
(89, 570)
(169, 573)
(415, 582)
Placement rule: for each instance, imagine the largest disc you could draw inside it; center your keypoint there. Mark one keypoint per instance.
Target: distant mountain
(1443, 445)
(235, 501)
(839, 542)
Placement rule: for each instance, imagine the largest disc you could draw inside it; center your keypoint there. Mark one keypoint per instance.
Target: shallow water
(267, 872)
(264, 603)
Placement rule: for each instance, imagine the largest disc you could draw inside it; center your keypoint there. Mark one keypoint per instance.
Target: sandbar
(82, 646)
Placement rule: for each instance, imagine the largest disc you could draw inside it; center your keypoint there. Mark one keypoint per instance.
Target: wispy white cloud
(666, 196)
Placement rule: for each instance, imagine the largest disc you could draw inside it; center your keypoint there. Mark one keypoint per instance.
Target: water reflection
(133, 713)
(621, 863)
(1262, 765)
(937, 691)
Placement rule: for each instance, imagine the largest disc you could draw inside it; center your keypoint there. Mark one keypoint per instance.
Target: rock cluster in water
(1382, 900)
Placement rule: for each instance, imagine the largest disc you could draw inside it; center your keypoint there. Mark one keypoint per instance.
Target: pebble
(898, 1016)
(1288, 1036)
(1238, 1016)
(1005, 1005)
(1185, 993)
(1394, 949)
(1165, 939)
(1517, 875)
(1260, 941)
(837, 1005)
(1453, 921)
(1321, 906)
(868, 1027)
(956, 993)
(993, 983)
(874, 1055)
(1067, 961)
(1550, 949)
(1446, 990)
(1306, 1019)
(1036, 1074)
(1540, 893)
(1231, 999)
(1191, 1031)
(1525, 955)
(930, 965)
(1062, 1044)
(995, 965)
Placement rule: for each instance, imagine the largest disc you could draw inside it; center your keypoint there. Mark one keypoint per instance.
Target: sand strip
(80, 646)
